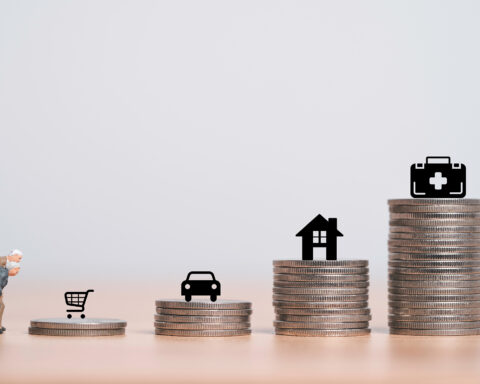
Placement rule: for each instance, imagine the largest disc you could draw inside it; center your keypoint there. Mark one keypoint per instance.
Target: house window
(319, 237)
(323, 237)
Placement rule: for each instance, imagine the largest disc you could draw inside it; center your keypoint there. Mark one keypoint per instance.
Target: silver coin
(435, 332)
(434, 250)
(322, 312)
(321, 332)
(76, 332)
(434, 215)
(319, 278)
(202, 333)
(433, 277)
(201, 319)
(435, 229)
(204, 304)
(409, 243)
(433, 263)
(202, 326)
(434, 284)
(434, 222)
(309, 284)
(437, 270)
(434, 325)
(426, 256)
(295, 324)
(321, 305)
(321, 291)
(434, 236)
(320, 263)
(434, 202)
(438, 297)
(203, 312)
(325, 318)
(434, 319)
(433, 304)
(320, 270)
(434, 291)
(434, 311)
(320, 298)
(453, 208)
(89, 323)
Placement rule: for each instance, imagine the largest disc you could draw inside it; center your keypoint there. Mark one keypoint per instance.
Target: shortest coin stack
(321, 297)
(202, 318)
(77, 327)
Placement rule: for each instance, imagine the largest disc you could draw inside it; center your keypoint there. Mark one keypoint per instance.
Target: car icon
(200, 287)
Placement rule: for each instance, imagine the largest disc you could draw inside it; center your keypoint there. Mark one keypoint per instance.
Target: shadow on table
(380, 330)
(263, 331)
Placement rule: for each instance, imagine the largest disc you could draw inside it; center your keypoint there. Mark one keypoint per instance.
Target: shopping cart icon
(76, 299)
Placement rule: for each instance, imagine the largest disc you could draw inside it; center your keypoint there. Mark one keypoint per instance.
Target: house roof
(318, 223)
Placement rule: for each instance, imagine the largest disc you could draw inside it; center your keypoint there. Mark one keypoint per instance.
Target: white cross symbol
(438, 180)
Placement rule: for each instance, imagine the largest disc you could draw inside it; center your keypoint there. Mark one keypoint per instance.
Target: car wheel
(213, 297)
(188, 298)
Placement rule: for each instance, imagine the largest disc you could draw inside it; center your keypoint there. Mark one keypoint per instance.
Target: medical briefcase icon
(438, 178)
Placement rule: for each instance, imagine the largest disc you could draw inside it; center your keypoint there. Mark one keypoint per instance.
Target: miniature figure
(9, 266)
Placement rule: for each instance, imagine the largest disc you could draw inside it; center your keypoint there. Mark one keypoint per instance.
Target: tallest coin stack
(434, 267)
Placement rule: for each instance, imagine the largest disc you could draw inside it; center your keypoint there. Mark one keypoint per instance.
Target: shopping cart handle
(90, 290)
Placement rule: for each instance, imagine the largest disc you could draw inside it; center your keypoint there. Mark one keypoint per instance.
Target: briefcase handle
(447, 158)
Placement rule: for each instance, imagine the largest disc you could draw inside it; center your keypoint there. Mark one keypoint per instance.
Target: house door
(319, 253)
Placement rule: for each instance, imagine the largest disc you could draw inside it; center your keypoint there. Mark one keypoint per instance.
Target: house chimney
(332, 222)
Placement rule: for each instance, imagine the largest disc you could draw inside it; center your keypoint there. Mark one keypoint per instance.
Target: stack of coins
(434, 267)
(321, 298)
(202, 318)
(77, 327)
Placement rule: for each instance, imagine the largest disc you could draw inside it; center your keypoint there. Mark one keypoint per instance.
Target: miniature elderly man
(9, 266)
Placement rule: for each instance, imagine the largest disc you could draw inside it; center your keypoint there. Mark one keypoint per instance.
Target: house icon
(320, 232)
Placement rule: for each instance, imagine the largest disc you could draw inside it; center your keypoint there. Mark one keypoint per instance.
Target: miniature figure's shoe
(4, 329)
(1, 331)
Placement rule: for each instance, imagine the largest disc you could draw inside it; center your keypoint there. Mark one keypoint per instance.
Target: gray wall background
(142, 139)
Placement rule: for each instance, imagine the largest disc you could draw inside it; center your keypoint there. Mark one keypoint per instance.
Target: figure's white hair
(15, 252)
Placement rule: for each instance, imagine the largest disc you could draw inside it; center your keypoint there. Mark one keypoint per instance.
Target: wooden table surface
(140, 356)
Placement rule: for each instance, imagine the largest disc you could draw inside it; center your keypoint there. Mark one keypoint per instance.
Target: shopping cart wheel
(69, 316)
(82, 316)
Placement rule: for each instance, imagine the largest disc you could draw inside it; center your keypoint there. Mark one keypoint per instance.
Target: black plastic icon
(76, 299)
(320, 232)
(438, 177)
(200, 287)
